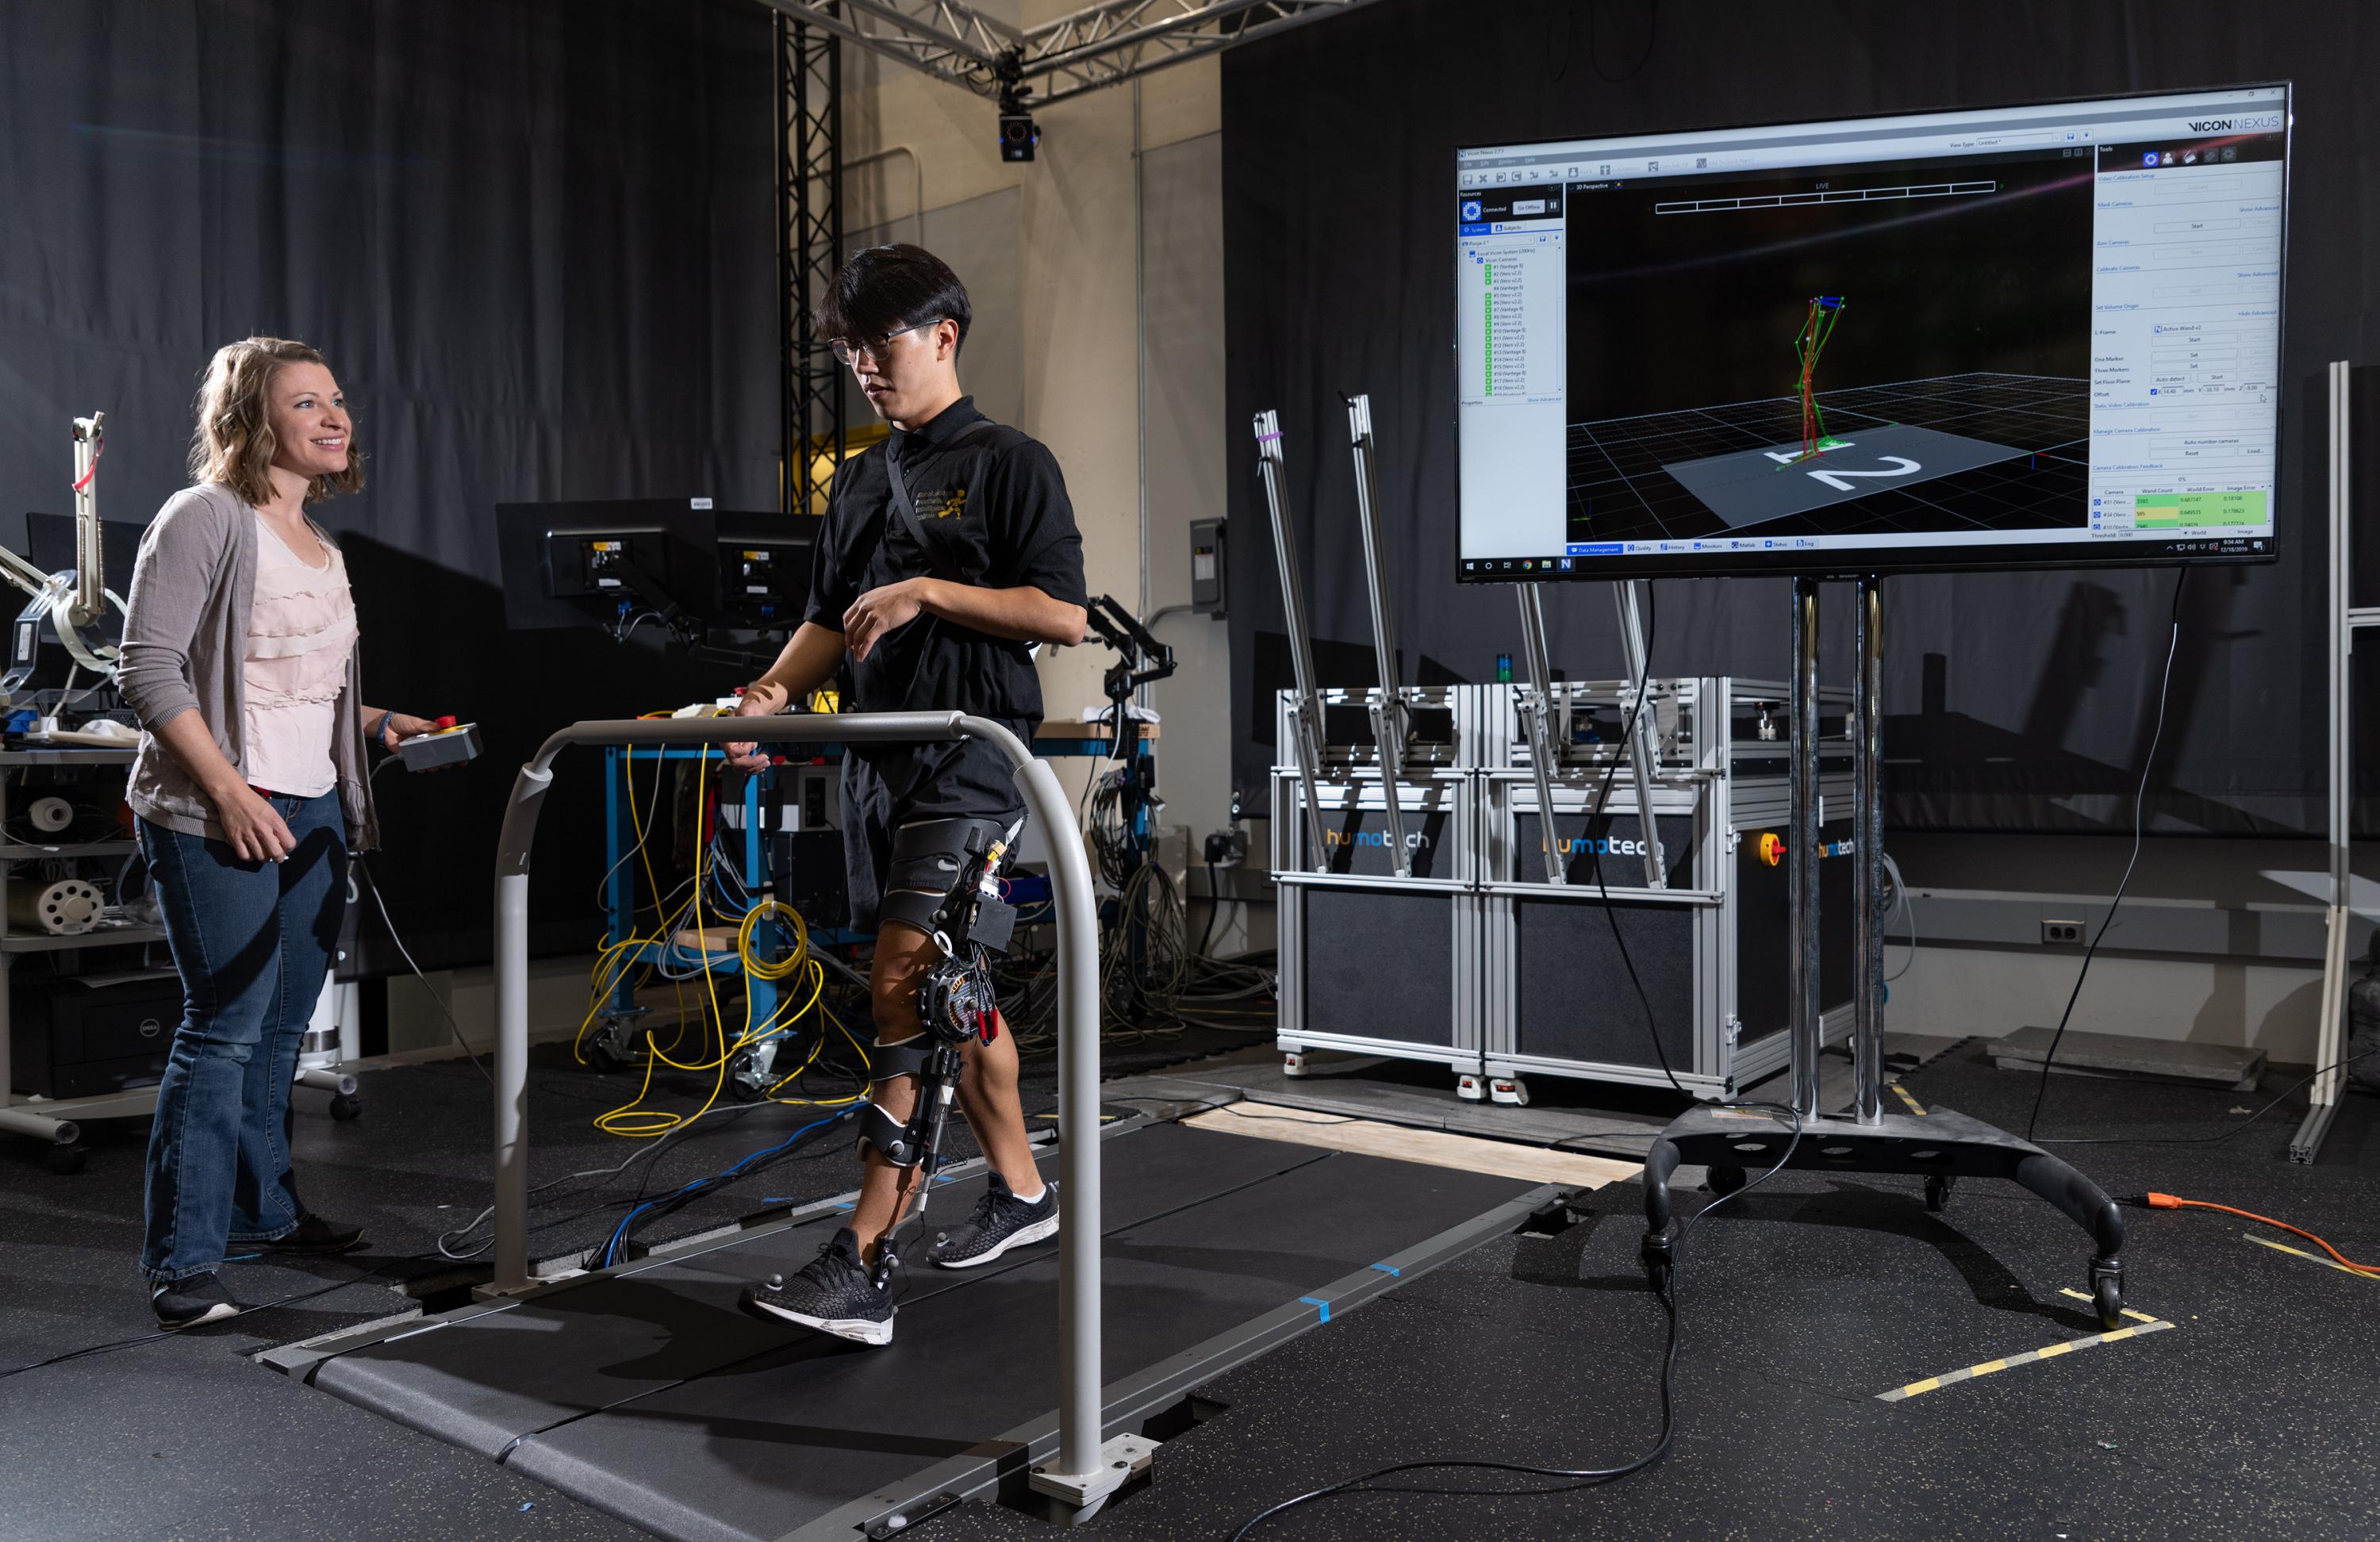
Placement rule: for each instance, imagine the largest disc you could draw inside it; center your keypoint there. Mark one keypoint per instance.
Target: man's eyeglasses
(846, 348)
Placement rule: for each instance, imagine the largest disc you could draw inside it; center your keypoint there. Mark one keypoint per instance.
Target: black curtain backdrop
(535, 242)
(2015, 701)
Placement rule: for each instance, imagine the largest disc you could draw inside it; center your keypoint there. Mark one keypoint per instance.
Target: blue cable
(619, 1233)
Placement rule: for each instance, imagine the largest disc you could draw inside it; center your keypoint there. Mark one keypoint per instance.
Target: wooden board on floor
(1432, 1148)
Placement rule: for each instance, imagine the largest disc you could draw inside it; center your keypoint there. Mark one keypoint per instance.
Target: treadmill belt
(650, 1396)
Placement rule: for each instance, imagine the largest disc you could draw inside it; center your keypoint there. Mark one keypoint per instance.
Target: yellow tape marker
(2136, 1317)
(2309, 1258)
(1915, 1106)
(2048, 1352)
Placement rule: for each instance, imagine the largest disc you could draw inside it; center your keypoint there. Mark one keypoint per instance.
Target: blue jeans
(251, 941)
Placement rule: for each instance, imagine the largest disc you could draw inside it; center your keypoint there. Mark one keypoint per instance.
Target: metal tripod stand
(1939, 1146)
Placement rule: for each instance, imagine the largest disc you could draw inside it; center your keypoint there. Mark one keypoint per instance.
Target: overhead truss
(809, 249)
(1098, 45)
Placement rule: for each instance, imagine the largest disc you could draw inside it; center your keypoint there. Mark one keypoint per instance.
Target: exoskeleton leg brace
(965, 915)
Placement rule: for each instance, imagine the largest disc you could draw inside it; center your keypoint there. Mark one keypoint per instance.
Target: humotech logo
(1579, 846)
(1414, 840)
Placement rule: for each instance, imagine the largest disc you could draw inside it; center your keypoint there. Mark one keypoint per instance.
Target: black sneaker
(832, 1294)
(1001, 1222)
(315, 1234)
(188, 1302)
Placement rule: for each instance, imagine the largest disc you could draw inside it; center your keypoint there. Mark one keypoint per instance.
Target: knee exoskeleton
(957, 998)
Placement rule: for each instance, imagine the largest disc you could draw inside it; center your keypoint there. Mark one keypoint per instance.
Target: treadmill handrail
(1079, 1410)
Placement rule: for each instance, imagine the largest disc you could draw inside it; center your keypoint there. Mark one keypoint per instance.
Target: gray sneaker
(832, 1294)
(1001, 1222)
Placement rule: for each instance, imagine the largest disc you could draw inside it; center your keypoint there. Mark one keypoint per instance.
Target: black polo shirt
(995, 514)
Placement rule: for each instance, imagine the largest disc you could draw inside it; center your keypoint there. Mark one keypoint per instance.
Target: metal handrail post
(1390, 728)
(1079, 1410)
(1801, 855)
(1538, 711)
(2339, 625)
(1641, 756)
(1305, 713)
(1867, 858)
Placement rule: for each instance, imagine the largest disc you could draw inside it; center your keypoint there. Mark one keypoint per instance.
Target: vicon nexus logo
(2211, 125)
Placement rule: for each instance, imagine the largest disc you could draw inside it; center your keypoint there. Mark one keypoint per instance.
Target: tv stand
(1939, 1146)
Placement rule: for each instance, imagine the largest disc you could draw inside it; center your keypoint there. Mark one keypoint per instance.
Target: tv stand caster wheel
(1724, 1181)
(346, 1106)
(67, 1161)
(1938, 1189)
(1654, 1252)
(2107, 1293)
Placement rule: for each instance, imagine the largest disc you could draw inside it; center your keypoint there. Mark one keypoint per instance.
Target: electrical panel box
(1207, 566)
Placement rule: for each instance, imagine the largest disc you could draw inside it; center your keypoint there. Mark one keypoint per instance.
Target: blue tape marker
(846, 1208)
(1390, 1269)
(1318, 1301)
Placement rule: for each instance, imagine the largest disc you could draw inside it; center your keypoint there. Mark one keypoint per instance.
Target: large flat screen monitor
(2035, 336)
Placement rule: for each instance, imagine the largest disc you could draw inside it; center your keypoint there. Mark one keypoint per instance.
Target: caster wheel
(744, 1084)
(67, 1161)
(1724, 1181)
(1939, 1190)
(601, 1058)
(346, 1107)
(2107, 1297)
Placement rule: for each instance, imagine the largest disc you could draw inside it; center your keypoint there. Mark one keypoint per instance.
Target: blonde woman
(239, 660)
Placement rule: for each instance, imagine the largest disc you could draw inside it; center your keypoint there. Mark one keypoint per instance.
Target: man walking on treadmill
(947, 549)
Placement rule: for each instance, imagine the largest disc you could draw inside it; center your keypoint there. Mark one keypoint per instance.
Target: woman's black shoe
(188, 1302)
(315, 1234)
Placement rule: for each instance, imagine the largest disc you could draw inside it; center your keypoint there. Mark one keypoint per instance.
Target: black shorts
(906, 814)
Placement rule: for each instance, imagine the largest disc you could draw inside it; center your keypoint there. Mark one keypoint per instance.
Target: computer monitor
(600, 563)
(2029, 336)
(764, 569)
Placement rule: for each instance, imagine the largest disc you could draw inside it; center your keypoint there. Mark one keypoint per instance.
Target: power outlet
(2061, 931)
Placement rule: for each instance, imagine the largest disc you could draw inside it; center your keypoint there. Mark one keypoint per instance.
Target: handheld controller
(450, 744)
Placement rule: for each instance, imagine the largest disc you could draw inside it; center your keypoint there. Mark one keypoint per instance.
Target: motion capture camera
(1018, 132)
(1018, 135)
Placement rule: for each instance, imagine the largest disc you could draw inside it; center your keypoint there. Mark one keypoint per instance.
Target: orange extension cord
(2170, 1202)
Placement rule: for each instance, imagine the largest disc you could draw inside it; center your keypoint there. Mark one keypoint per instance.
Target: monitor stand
(1939, 1146)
